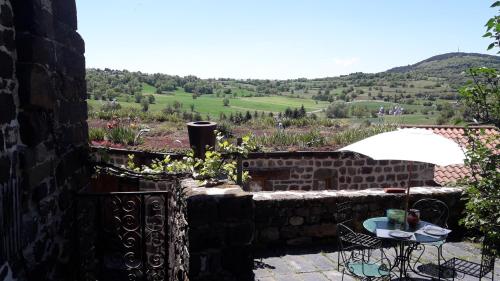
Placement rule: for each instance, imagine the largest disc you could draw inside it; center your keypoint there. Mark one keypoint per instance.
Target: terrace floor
(322, 265)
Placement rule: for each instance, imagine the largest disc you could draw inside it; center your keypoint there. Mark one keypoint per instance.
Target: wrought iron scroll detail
(123, 236)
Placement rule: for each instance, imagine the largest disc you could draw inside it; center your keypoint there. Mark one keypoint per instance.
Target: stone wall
(331, 171)
(221, 229)
(10, 215)
(43, 135)
(307, 170)
(287, 218)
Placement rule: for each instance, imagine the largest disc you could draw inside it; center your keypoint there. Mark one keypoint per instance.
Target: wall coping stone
(226, 189)
(295, 195)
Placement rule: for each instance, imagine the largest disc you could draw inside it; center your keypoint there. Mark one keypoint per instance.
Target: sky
(276, 39)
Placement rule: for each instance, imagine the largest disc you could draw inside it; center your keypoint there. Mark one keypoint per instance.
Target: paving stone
(262, 272)
(288, 277)
(299, 263)
(321, 262)
(313, 276)
(335, 275)
(280, 266)
(264, 279)
(323, 266)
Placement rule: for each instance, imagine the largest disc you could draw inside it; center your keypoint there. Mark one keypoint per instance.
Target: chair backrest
(433, 211)
(344, 214)
(488, 256)
(358, 256)
(343, 235)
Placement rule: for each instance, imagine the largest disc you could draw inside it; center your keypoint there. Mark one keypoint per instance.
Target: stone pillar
(221, 230)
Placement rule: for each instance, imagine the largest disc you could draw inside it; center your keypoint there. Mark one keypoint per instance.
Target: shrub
(337, 110)
(120, 134)
(286, 139)
(96, 134)
(111, 106)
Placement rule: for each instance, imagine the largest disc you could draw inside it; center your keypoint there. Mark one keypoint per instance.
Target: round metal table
(404, 247)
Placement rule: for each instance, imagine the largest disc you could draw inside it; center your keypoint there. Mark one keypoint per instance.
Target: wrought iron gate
(123, 235)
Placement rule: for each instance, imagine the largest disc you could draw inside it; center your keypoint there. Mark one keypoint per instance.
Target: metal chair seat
(362, 240)
(466, 267)
(475, 269)
(362, 269)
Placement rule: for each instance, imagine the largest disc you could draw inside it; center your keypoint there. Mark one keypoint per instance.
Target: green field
(210, 104)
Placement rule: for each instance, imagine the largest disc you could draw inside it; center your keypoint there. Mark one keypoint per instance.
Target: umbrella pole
(407, 203)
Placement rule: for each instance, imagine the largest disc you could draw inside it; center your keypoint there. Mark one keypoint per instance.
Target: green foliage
(481, 96)
(110, 106)
(483, 192)
(493, 29)
(145, 104)
(285, 139)
(218, 164)
(97, 134)
(337, 110)
(482, 99)
(121, 134)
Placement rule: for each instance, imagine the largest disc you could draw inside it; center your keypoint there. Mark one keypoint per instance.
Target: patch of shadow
(432, 270)
(262, 265)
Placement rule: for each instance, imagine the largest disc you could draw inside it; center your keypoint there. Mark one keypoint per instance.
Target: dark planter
(201, 135)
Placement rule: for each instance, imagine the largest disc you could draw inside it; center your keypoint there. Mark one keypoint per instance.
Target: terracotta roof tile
(450, 174)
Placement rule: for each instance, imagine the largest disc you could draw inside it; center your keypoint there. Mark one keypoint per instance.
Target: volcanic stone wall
(331, 171)
(43, 137)
(309, 218)
(10, 229)
(221, 231)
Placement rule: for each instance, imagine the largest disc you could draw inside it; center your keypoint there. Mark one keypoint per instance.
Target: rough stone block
(235, 208)
(65, 11)
(7, 63)
(6, 17)
(5, 169)
(239, 233)
(269, 234)
(8, 111)
(296, 220)
(7, 39)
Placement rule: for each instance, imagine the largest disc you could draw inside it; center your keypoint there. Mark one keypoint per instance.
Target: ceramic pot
(413, 217)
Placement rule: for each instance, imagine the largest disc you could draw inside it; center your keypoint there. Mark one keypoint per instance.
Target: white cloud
(346, 62)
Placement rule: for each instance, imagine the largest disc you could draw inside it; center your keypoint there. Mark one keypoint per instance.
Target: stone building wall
(331, 171)
(10, 239)
(306, 218)
(43, 135)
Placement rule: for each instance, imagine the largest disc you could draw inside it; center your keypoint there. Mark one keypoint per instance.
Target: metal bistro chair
(348, 239)
(478, 270)
(435, 212)
(357, 260)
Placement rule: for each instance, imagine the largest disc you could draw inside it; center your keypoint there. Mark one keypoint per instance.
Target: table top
(372, 224)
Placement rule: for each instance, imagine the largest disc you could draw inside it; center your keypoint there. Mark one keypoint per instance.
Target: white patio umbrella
(414, 145)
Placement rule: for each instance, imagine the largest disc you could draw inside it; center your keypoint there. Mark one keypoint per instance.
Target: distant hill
(449, 65)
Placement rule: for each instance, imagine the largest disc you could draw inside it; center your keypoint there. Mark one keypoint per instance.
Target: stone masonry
(307, 170)
(297, 218)
(221, 231)
(331, 171)
(43, 137)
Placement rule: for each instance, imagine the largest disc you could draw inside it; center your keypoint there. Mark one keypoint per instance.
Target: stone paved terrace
(322, 265)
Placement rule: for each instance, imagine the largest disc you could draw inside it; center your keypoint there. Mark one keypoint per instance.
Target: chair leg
(439, 262)
(338, 261)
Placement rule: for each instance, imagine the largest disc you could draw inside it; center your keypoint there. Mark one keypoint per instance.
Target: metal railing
(122, 235)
